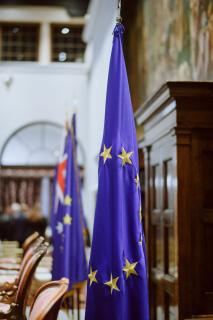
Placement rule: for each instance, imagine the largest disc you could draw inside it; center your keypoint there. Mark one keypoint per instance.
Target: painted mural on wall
(178, 41)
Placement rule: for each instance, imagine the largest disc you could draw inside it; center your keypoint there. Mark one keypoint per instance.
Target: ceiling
(75, 8)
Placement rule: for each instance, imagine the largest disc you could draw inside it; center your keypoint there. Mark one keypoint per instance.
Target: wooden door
(162, 238)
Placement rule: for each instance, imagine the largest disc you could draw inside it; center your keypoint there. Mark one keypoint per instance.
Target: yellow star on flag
(68, 200)
(92, 276)
(125, 156)
(106, 154)
(130, 268)
(137, 180)
(141, 240)
(112, 283)
(140, 213)
(67, 219)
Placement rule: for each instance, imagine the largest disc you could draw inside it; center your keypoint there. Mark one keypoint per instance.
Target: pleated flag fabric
(69, 253)
(117, 280)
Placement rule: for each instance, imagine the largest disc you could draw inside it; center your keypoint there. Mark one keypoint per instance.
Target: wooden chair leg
(78, 303)
(72, 306)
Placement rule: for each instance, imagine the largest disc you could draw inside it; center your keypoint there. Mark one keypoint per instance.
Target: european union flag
(69, 255)
(117, 286)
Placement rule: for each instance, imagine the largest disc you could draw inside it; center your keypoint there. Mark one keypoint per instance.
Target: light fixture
(65, 30)
(15, 30)
(62, 56)
(7, 80)
(56, 152)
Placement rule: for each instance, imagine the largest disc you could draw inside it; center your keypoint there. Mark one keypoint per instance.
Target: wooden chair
(30, 252)
(17, 310)
(75, 299)
(48, 300)
(29, 241)
(26, 245)
(12, 285)
(10, 251)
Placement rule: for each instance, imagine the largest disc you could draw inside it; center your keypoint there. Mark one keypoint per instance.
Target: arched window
(27, 160)
(36, 144)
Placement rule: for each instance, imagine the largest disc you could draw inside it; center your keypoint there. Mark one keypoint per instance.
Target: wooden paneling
(178, 147)
(22, 185)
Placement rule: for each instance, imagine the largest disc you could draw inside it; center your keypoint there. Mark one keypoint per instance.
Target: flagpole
(119, 18)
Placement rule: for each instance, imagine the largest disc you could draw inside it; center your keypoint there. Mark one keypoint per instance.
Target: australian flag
(117, 284)
(68, 255)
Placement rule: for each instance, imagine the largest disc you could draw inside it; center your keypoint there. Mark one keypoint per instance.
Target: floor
(64, 316)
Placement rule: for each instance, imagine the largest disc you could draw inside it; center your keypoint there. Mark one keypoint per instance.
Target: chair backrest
(29, 253)
(48, 300)
(29, 241)
(26, 278)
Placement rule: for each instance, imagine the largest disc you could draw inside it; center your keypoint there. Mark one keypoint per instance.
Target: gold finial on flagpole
(67, 126)
(119, 18)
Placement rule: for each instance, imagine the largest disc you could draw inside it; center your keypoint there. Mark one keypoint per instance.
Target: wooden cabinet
(178, 147)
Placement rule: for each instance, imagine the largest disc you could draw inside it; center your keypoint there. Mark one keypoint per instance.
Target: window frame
(37, 40)
(63, 24)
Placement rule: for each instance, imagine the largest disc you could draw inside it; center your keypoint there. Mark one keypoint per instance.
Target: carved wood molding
(183, 135)
(26, 173)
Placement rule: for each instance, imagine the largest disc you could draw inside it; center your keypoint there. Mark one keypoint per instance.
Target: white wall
(46, 92)
(42, 93)
(42, 90)
(99, 35)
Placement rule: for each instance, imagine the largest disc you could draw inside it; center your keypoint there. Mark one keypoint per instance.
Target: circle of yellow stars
(112, 283)
(129, 269)
(137, 181)
(106, 154)
(124, 156)
(92, 276)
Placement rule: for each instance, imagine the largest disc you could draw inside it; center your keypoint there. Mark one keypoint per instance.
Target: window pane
(19, 42)
(67, 45)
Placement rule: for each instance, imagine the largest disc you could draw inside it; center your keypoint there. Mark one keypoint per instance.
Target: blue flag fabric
(69, 255)
(117, 284)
